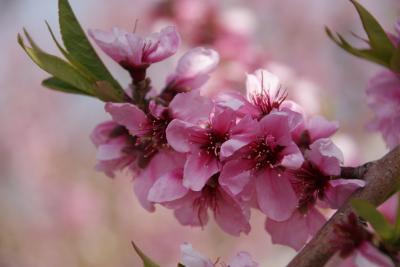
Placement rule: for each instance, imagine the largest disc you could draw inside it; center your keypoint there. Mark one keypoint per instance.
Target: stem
(382, 177)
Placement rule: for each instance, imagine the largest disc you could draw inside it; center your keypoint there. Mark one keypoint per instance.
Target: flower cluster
(225, 154)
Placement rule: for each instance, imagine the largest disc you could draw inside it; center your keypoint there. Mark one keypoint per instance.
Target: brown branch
(382, 177)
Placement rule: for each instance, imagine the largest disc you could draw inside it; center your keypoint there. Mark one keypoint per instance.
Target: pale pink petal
(275, 195)
(192, 258)
(277, 125)
(261, 82)
(101, 134)
(242, 259)
(293, 158)
(235, 175)
(326, 155)
(110, 151)
(368, 256)
(340, 190)
(129, 116)
(181, 107)
(198, 169)
(291, 232)
(194, 67)
(319, 127)
(167, 44)
(241, 135)
(180, 133)
(168, 187)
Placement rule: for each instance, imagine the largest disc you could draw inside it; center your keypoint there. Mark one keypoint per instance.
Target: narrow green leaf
(79, 47)
(59, 85)
(56, 66)
(367, 54)
(147, 262)
(374, 217)
(71, 60)
(377, 36)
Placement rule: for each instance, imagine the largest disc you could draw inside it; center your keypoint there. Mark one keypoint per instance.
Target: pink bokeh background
(56, 210)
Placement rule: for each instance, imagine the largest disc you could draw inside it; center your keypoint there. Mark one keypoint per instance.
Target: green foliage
(147, 262)
(381, 50)
(374, 217)
(82, 72)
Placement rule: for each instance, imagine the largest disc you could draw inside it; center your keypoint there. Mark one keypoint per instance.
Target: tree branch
(382, 177)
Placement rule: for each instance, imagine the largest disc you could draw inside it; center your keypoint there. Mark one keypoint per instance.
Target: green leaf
(105, 92)
(367, 54)
(377, 36)
(80, 49)
(374, 217)
(56, 66)
(59, 85)
(147, 262)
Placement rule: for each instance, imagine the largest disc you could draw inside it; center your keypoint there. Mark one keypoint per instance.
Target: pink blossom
(134, 52)
(318, 178)
(202, 145)
(354, 242)
(191, 207)
(263, 151)
(192, 258)
(295, 231)
(383, 95)
(113, 147)
(389, 208)
(193, 69)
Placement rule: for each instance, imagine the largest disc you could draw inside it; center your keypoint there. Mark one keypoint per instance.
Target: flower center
(310, 184)
(214, 142)
(265, 102)
(265, 153)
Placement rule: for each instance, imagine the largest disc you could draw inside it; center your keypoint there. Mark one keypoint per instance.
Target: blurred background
(56, 210)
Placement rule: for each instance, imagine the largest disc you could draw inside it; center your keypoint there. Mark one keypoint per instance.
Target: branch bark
(382, 177)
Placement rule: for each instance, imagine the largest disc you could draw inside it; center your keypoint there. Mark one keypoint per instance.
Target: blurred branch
(382, 177)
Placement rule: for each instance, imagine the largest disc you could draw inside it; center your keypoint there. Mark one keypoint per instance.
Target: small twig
(382, 177)
(354, 172)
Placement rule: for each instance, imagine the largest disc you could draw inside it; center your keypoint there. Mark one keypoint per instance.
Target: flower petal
(168, 187)
(340, 190)
(275, 195)
(198, 169)
(129, 116)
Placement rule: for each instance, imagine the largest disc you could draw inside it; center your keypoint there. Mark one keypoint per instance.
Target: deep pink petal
(293, 158)
(315, 220)
(198, 169)
(230, 215)
(275, 195)
(340, 190)
(223, 120)
(276, 124)
(129, 116)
